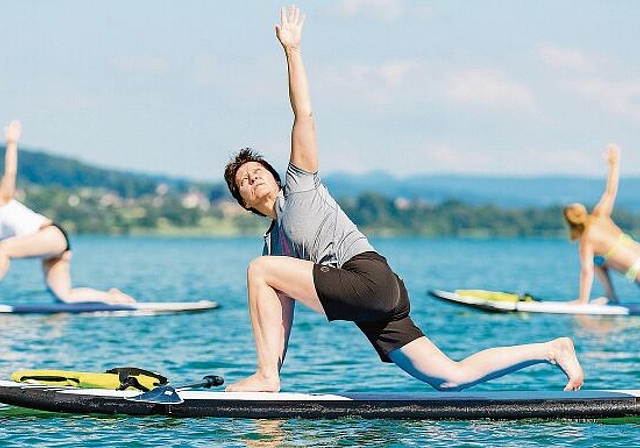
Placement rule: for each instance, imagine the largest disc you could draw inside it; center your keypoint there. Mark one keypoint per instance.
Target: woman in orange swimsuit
(603, 245)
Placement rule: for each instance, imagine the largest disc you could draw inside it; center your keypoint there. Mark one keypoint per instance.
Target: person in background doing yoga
(602, 244)
(27, 234)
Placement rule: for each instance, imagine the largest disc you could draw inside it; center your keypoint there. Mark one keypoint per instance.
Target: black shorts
(64, 233)
(366, 291)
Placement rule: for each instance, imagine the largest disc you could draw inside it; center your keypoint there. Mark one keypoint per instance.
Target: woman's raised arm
(12, 134)
(605, 206)
(304, 153)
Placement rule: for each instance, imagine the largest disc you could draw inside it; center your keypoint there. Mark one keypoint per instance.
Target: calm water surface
(322, 357)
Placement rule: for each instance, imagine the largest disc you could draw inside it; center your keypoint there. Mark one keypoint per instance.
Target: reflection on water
(267, 434)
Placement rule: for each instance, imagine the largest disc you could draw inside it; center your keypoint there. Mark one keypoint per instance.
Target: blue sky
(512, 87)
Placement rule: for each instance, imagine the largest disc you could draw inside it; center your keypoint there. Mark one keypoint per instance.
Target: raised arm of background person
(605, 206)
(304, 153)
(12, 133)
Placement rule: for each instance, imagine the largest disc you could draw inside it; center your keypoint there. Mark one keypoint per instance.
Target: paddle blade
(159, 395)
(167, 394)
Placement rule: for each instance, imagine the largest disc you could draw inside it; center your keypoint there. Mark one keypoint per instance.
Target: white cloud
(206, 70)
(565, 58)
(414, 82)
(443, 157)
(394, 74)
(621, 97)
(237, 79)
(381, 9)
(489, 87)
(375, 84)
(142, 64)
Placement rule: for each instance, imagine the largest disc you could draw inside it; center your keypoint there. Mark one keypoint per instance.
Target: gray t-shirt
(310, 224)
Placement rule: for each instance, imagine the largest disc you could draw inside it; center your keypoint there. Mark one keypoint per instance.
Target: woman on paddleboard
(27, 234)
(315, 255)
(603, 245)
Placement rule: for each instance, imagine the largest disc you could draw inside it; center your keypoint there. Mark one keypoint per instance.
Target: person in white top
(27, 234)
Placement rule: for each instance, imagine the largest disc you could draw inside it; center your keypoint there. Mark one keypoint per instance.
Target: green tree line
(86, 199)
(377, 214)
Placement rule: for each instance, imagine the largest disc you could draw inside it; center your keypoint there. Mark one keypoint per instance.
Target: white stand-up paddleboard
(586, 404)
(98, 308)
(502, 302)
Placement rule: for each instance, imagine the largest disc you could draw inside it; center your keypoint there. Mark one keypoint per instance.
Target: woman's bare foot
(255, 383)
(564, 355)
(116, 296)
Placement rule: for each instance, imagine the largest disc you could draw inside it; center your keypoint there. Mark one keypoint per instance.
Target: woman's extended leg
(57, 276)
(49, 243)
(424, 361)
(273, 284)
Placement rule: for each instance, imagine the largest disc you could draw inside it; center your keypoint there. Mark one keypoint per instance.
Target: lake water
(322, 357)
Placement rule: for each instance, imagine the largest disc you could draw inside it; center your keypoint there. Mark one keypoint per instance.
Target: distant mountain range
(42, 168)
(507, 191)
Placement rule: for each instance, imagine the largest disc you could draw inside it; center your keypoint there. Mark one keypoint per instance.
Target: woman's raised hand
(12, 132)
(289, 31)
(613, 154)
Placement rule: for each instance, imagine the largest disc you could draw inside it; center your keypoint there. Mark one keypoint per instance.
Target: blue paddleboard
(138, 308)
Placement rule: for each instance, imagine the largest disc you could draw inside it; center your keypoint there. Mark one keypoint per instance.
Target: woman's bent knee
(257, 268)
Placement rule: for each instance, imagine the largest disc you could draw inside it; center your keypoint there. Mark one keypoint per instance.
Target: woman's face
(256, 184)
(575, 213)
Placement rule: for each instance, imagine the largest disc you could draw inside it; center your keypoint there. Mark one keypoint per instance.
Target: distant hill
(512, 192)
(41, 168)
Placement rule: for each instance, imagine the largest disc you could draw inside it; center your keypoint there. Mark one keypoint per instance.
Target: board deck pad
(138, 308)
(509, 405)
(482, 300)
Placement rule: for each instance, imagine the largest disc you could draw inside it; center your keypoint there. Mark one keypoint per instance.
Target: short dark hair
(243, 156)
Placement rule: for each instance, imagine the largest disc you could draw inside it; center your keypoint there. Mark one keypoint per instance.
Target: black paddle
(168, 394)
(207, 382)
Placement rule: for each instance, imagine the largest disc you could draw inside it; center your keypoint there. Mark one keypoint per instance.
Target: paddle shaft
(207, 382)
